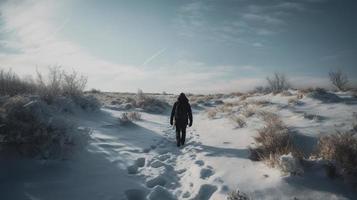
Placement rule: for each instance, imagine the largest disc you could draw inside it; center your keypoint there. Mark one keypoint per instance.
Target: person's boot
(182, 142)
(178, 143)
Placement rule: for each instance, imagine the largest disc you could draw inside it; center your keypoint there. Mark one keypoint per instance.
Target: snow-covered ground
(141, 161)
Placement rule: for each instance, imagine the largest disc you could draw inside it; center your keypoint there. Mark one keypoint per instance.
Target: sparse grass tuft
(248, 111)
(211, 113)
(238, 120)
(128, 117)
(293, 101)
(237, 195)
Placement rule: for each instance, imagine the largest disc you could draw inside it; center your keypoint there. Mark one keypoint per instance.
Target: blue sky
(191, 46)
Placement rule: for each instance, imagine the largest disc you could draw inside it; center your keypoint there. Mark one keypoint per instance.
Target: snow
(141, 161)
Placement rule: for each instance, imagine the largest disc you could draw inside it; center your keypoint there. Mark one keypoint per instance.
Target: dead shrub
(340, 149)
(339, 80)
(278, 83)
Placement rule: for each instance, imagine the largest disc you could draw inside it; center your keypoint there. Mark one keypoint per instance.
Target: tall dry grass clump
(272, 141)
(340, 150)
(238, 120)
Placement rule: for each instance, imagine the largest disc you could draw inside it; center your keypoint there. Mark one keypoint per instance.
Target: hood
(182, 98)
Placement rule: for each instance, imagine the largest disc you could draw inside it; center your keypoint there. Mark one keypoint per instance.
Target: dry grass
(248, 111)
(128, 117)
(237, 195)
(148, 103)
(286, 93)
(243, 97)
(340, 148)
(272, 141)
(33, 128)
(56, 84)
(211, 113)
(134, 116)
(300, 95)
(260, 102)
(268, 117)
(238, 120)
(293, 101)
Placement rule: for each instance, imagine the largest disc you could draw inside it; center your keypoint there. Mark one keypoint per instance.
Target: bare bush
(341, 150)
(339, 80)
(33, 128)
(56, 84)
(278, 83)
(11, 84)
(237, 195)
(239, 121)
(73, 84)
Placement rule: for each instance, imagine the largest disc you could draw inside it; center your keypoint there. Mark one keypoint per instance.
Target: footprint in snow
(205, 173)
(135, 194)
(205, 192)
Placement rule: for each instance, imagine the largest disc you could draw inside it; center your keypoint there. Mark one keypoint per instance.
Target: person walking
(182, 113)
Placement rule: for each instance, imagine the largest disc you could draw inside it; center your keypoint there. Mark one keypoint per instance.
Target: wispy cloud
(198, 19)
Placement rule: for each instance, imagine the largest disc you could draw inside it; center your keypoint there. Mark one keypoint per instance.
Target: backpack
(180, 110)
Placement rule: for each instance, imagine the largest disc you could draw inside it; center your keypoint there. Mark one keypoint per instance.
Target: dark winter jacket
(181, 111)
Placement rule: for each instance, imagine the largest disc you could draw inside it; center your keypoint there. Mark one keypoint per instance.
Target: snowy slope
(141, 161)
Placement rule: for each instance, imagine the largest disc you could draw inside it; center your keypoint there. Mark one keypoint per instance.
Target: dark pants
(180, 134)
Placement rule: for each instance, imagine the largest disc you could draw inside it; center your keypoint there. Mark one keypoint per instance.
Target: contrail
(161, 51)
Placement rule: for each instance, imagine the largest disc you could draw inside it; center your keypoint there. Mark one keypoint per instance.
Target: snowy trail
(147, 149)
(213, 161)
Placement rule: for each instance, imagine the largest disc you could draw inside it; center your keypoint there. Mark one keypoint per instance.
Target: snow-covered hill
(141, 161)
